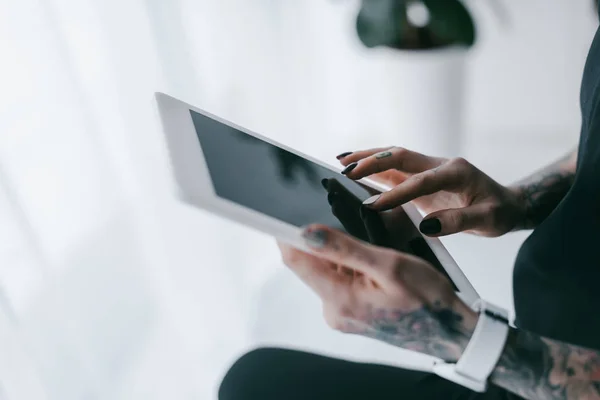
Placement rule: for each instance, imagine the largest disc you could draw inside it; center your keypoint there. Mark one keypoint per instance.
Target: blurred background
(110, 289)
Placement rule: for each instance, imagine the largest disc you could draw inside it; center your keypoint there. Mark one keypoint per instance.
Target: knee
(247, 375)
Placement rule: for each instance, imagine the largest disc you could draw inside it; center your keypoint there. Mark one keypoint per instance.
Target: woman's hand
(455, 194)
(382, 294)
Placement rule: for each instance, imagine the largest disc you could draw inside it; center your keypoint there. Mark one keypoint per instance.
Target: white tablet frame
(194, 186)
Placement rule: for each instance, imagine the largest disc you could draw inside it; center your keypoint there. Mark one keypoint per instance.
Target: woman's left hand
(383, 294)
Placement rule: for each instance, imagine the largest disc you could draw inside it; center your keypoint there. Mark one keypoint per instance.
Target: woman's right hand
(455, 194)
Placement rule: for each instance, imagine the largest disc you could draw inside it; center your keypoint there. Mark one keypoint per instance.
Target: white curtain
(109, 288)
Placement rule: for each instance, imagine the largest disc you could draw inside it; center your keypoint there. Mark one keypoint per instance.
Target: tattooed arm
(403, 301)
(537, 368)
(531, 366)
(541, 192)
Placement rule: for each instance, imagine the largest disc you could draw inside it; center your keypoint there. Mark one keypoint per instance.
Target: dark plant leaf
(451, 21)
(386, 23)
(381, 22)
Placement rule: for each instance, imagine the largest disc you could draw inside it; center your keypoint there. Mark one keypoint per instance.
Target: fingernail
(371, 200)
(346, 154)
(325, 183)
(430, 226)
(317, 239)
(349, 168)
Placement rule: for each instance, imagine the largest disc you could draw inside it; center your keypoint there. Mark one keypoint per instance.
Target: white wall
(525, 76)
(297, 71)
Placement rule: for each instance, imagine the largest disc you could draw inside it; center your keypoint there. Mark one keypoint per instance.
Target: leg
(274, 374)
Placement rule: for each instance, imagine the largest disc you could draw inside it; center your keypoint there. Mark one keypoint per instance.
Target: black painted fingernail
(430, 226)
(317, 239)
(325, 183)
(371, 200)
(349, 168)
(346, 154)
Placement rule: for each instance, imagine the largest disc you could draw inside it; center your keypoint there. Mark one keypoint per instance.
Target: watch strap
(482, 352)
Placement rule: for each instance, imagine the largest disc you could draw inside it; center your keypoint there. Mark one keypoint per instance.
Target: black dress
(557, 272)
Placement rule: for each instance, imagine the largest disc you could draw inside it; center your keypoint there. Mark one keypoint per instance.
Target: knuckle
(492, 213)
(394, 259)
(491, 209)
(429, 175)
(349, 250)
(416, 179)
(457, 219)
(363, 256)
(399, 151)
(459, 162)
(424, 179)
(341, 247)
(392, 264)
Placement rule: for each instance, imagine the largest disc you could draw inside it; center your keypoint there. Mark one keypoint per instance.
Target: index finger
(429, 182)
(349, 158)
(395, 158)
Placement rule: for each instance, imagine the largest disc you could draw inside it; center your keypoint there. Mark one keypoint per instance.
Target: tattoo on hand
(543, 192)
(437, 331)
(538, 368)
(385, 154)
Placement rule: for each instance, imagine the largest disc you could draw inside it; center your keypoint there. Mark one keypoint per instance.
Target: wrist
(509, 349)
(461, 325)
(518, 207)
(485, 348)
(469, 321)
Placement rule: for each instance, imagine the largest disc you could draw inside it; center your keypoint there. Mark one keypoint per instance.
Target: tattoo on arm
(540, 369)
(438, 330)
(543, 191)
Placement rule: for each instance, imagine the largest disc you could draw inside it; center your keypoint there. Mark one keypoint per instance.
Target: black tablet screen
(273, 181)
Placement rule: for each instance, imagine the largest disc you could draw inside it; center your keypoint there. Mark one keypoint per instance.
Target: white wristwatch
(482, 352)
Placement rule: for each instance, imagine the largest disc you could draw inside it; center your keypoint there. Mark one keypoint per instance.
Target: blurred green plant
(421, 24)
(415, 24)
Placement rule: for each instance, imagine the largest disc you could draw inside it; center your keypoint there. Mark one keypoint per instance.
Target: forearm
(537, 368)
(540, 193)
(532, 367)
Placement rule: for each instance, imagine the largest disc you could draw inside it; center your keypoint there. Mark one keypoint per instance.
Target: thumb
(447, 222)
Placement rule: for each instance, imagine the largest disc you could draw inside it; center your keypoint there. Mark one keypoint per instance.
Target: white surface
(429, 88)
(115, 292)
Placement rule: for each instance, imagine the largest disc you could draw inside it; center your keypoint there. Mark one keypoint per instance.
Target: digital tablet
(247, 178)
